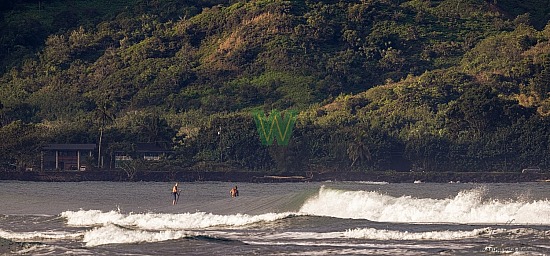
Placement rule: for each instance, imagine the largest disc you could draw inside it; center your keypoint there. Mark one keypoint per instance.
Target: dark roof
(70, 147)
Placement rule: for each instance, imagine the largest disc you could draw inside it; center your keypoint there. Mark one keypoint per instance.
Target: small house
(73, 157)
(145, 151)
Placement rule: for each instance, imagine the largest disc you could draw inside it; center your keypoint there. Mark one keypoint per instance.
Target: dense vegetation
(442, 85)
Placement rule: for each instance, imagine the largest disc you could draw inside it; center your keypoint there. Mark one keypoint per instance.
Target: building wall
(67, 159)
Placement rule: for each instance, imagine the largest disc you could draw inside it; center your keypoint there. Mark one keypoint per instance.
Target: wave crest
(112, 234)
(383, 234)
(162, 221)
(466, 207)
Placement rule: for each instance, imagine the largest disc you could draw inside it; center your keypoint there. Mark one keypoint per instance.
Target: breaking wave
(466, 207)
(109, 234)
(39, 236)
(383, 234)
(161, 221)
(112, 234)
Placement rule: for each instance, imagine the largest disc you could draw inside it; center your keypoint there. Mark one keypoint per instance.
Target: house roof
(70, 147)
(142, 147)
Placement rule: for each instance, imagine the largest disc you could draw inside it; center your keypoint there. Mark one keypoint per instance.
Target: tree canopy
(444, 85)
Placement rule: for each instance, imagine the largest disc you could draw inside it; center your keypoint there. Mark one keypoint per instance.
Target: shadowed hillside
(447, 85)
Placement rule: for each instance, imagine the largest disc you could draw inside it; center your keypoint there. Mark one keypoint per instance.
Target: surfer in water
(234, 192)
(176, 194)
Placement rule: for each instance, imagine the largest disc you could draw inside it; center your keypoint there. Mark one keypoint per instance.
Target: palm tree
(104, 115)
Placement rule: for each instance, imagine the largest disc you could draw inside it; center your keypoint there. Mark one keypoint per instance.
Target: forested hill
(450, 85)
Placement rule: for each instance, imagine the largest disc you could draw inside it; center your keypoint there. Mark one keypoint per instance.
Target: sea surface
(318, 218)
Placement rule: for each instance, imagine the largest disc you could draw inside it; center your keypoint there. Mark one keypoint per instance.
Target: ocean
(316, 218)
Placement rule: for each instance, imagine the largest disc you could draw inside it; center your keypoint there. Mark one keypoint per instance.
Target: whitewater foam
(466, 207)
(369, 182)
(38, 236)
(161, 221)
(383, 234)
(398, 235)
(112, 234)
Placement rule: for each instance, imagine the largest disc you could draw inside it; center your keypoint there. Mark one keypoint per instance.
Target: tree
(21, 143)
(132, 167)
(358, 150)
(103, 116)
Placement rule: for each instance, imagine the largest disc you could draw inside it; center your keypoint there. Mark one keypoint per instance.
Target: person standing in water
(175, 193)
(234, 192)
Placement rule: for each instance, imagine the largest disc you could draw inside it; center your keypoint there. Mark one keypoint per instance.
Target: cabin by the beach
(145, 151)
(68, 157)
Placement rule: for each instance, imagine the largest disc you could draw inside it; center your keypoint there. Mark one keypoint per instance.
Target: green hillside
(450, 85)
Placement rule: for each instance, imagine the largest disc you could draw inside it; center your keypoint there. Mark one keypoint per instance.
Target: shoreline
(256, 177)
